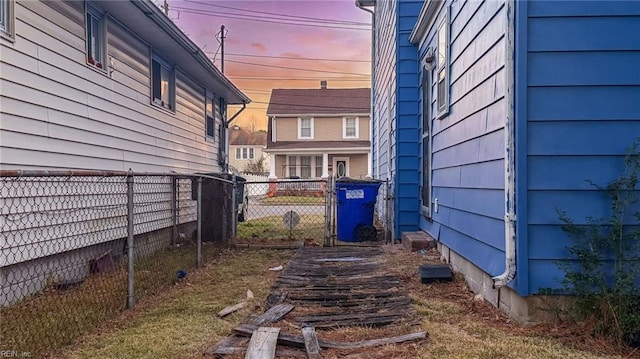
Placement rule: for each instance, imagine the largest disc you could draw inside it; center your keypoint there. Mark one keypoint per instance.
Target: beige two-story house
(247, 147)
(317, 133)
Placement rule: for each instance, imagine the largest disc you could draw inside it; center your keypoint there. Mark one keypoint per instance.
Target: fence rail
(80, 246)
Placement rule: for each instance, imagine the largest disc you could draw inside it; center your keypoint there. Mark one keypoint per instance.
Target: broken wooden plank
(230, 345)
(275, 298)
(311, 342)
(274, 314)
(263, 343)
(240, 351)
(337, 317)
(230, 309)
(298, 340)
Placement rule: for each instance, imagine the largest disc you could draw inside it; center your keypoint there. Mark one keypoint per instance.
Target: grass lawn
(280, 200)
(54, 318)
(311, 226)
(182, 321)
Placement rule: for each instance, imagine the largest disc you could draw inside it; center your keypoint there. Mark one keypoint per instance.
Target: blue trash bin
(356, 200)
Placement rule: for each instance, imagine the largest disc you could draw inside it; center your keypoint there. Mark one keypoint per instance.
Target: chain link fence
(280, 210)
(80, 247)
(283, 210)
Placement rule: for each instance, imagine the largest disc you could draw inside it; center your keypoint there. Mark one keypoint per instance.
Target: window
(305, 166)
(6, 18)
(210, 122)
(443, 67)
(305, 127)
(163, 83)
(350, 127)
(292, 166)
(318, 166)
(222, 133)
(96, 39)
(426, 145)
(246, 153)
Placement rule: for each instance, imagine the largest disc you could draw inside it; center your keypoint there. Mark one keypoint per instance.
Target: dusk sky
(256, 35)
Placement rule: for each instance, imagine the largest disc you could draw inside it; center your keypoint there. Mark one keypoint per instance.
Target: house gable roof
(241, 137)
(319, 101)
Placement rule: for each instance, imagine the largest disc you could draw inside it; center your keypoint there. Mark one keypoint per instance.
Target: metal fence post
(130, 242)
(234, 208)
(199, 235)
(174, 211)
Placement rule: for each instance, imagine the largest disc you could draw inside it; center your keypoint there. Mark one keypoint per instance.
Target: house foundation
(525, 310)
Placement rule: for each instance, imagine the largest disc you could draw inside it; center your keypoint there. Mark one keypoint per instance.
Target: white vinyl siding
(65, 115)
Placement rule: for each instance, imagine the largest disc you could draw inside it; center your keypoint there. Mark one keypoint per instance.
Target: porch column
(272, 166)
(369, 165)
(325, 165)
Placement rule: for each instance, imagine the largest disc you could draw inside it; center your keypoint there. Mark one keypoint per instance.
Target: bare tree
(252, 124)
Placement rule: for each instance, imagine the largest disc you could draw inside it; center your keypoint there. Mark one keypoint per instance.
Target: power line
(297, 68)
(304, 95)
(286, 16)
(296, 58)
(257, 19)
(295, 78)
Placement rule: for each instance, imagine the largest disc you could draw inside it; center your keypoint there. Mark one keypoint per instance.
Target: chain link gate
(278, 211)
(282, 211)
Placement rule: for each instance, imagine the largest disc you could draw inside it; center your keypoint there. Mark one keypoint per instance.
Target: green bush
(605, 272)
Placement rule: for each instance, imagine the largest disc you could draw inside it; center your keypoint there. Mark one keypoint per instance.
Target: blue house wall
(578, 110)
(577, 103)
(394, 145)
(468, 145)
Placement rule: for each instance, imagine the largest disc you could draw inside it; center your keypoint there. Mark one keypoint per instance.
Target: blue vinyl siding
(582, 112)
(384, 95)
(468, 144)
(407, 208)
(396, 143)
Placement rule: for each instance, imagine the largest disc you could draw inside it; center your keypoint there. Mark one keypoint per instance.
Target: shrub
(605, 274)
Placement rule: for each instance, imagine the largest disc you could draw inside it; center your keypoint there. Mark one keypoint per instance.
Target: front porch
(319, 165)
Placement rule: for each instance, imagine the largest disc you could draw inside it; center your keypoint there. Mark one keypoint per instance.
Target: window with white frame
(6, 18)
(96, 39)
(318, 166)
(210, 122)
(292, 167)
(163, 82)
(442, 74)
(245, 153)
(305, 166)
(305, 128)
(350, 127)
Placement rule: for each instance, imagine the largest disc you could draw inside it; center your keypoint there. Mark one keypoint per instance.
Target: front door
(340, 167)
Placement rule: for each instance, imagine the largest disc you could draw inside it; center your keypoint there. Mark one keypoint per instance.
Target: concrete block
(415, 241)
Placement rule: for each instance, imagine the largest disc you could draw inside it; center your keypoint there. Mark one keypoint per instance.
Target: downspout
(509, 155)
(244, 106)
(373, 74)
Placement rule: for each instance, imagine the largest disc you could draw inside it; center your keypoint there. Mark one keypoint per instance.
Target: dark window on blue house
(442, 73)
(426, 145)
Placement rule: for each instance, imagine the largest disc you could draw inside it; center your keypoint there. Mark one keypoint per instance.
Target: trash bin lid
(358, 180)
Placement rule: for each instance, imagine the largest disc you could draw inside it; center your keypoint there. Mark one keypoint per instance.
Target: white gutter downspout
(509, 158)
(372, 116)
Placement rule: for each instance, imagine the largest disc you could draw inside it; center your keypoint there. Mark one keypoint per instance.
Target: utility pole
(166, 8)
(222, 48)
